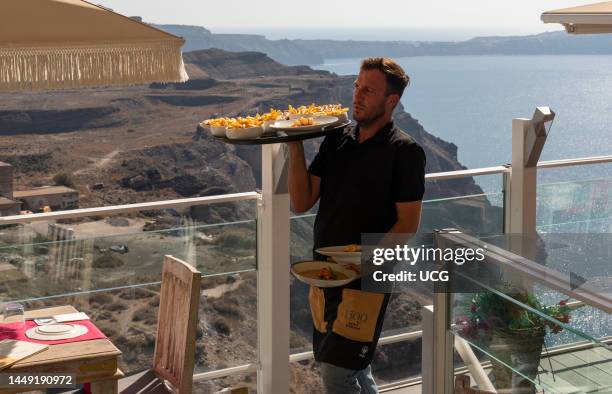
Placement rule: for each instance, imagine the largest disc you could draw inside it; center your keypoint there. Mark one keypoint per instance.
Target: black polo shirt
(360, 183)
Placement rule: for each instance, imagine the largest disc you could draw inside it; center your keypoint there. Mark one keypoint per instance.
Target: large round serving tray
(279, 136)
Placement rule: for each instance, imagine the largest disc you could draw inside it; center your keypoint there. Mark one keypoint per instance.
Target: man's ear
(393, 100)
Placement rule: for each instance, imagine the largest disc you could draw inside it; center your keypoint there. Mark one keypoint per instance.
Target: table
(93, 361)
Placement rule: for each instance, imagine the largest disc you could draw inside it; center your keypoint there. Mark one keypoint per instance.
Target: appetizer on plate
(322, 273)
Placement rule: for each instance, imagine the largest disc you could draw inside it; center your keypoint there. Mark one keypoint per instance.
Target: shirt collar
(382, 135)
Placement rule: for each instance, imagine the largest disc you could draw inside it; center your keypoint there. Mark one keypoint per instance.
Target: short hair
(397, 79)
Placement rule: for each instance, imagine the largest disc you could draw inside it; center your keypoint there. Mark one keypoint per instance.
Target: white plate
(341, 118)
(244, 134)
(55, 329)
(338, 254)
(298, 268)
(266, 125)
(52, 332)
(320, 122)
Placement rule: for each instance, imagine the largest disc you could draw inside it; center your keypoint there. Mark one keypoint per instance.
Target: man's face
(370, 96)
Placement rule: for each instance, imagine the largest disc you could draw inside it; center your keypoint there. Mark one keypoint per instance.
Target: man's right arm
(304, 187)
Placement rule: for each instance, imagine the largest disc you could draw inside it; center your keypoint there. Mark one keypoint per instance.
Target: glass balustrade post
(443, 343)
(273, 273)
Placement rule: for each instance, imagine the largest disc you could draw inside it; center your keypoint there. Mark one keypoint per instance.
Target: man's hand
(304, 187)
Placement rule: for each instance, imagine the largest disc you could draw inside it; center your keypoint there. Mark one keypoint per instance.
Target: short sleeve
(409, 174)
(317, 167)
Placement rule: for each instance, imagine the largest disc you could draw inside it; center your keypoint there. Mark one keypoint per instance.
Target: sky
(275, 18)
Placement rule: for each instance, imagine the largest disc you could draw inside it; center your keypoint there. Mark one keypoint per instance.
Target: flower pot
(520, 349)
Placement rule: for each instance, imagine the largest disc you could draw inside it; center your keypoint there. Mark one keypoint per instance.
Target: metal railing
(129, 208)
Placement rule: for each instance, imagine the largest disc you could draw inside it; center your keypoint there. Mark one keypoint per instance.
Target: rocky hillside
(220, 64)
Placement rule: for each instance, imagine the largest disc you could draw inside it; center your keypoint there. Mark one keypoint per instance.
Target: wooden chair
(174, 357)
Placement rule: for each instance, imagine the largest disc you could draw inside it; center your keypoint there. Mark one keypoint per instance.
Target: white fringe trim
(55, 67)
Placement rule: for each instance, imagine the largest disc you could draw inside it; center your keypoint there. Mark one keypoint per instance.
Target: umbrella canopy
(47, 44)
(586, 19)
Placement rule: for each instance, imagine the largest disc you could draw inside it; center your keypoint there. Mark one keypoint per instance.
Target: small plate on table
(323, 273)
(55, 332)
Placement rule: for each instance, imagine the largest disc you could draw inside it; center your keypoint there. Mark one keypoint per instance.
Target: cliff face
(220, 64)
(294, 52)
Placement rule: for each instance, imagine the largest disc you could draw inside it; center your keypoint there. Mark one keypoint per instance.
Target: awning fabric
(46, 44)
(586, 19)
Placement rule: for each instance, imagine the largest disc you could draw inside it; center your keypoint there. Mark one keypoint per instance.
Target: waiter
(368, 179)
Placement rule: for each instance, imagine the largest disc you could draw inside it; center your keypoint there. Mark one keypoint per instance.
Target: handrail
(130, 208)
(439, 176)
(575, 162)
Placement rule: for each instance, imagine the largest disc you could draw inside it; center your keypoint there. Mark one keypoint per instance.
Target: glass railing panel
(523, 357)
(110, 268)
(575, 199)
(474, 205)
(398, 361)
(228, 322)
(530, 327)
(582, 259)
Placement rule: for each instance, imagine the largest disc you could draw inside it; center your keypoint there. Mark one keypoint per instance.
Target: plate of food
(323, 273)
(342, 254)
(304, 123)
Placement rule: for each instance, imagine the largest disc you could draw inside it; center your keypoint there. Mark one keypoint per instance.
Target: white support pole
(473, 365)
(528, 139)
(273, 274)
(522, 194)
(427, 350)
(440, 333)
(444, 371)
